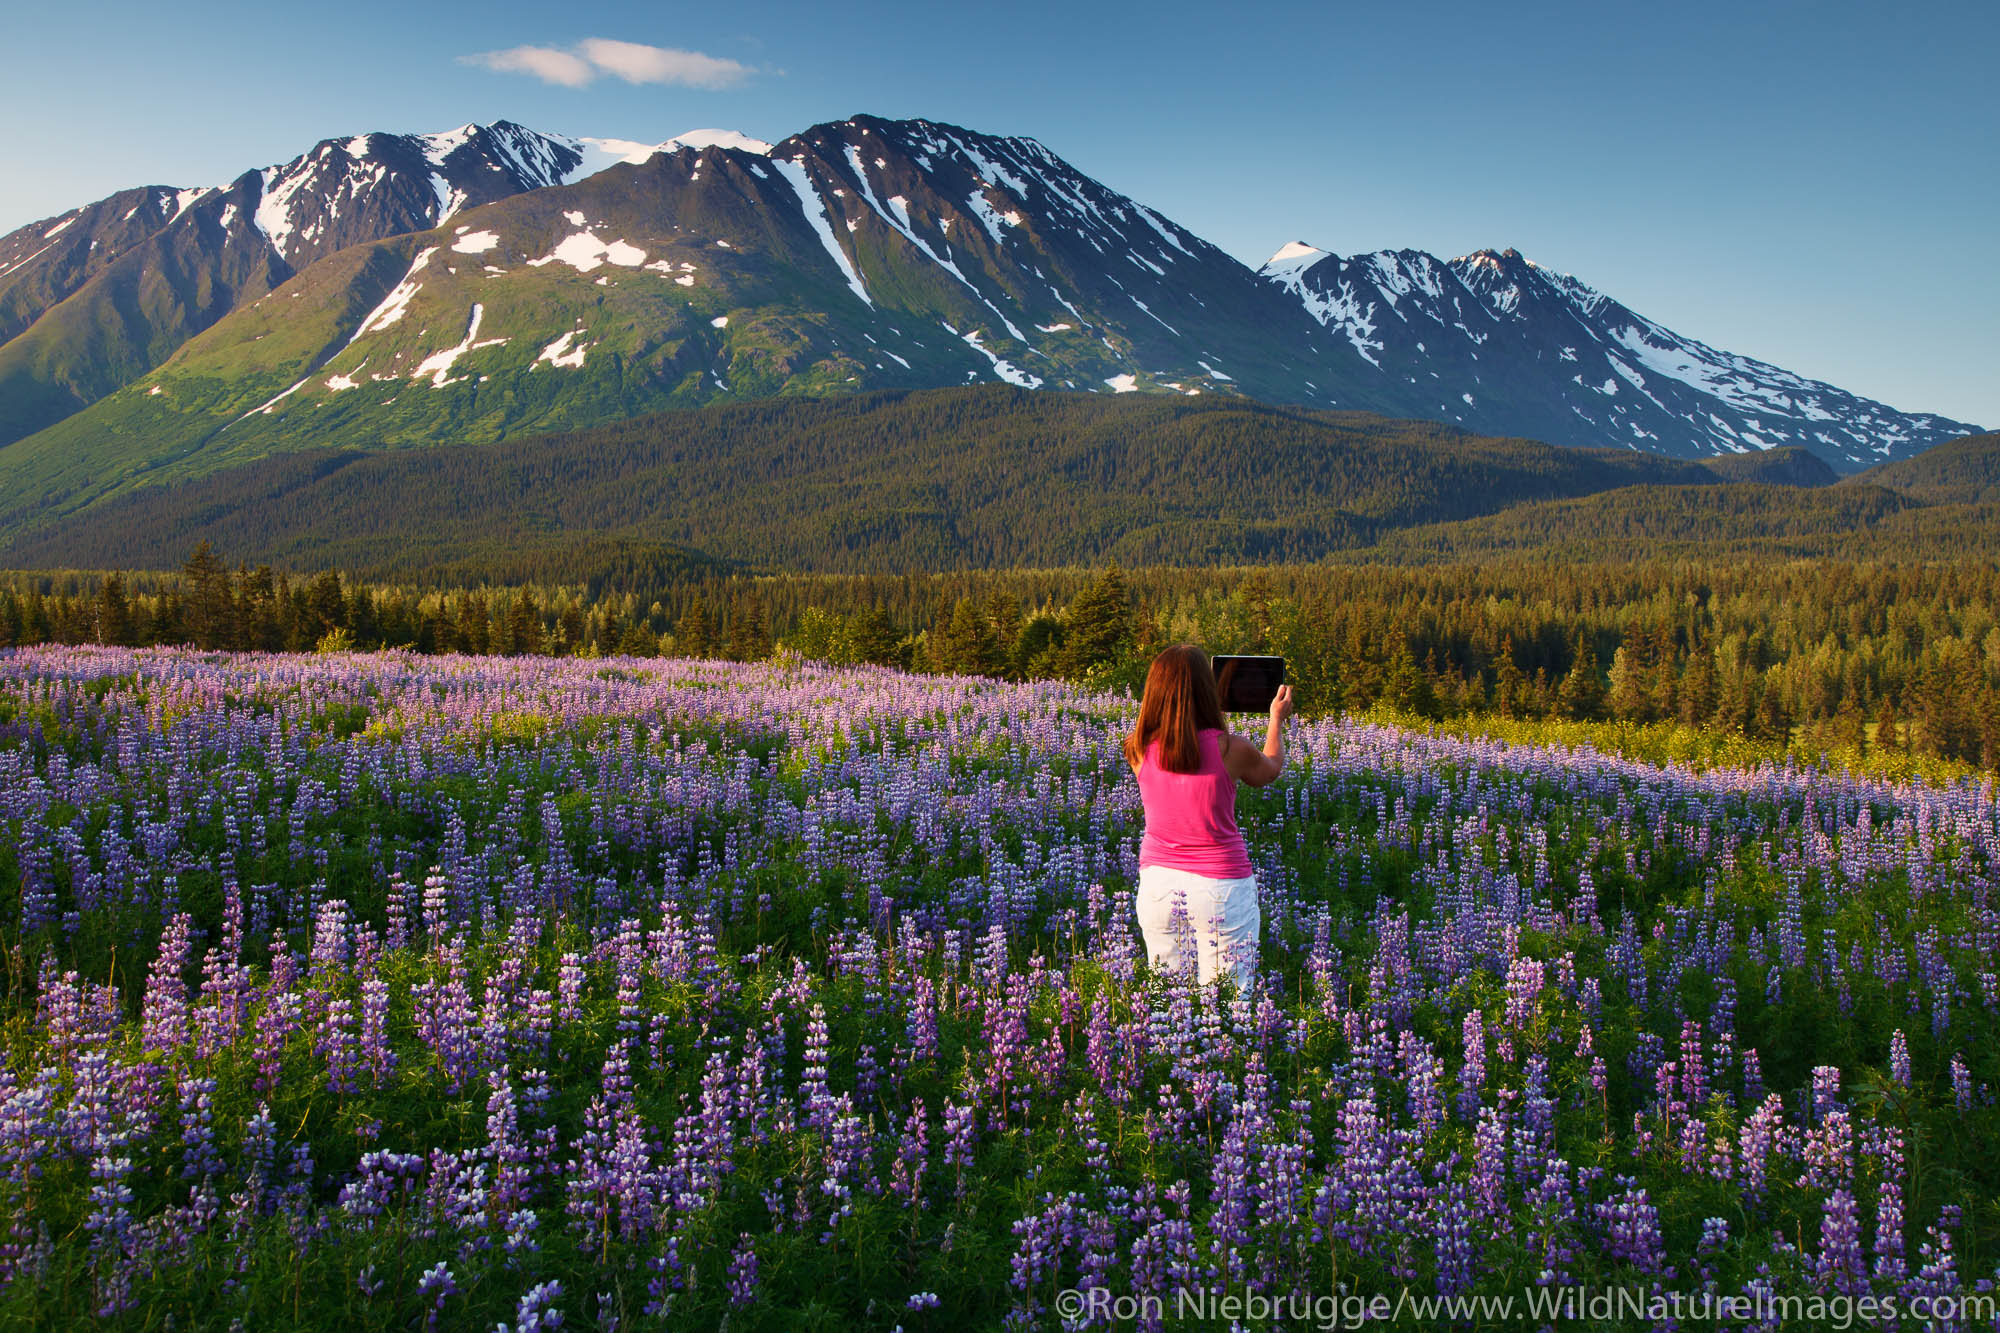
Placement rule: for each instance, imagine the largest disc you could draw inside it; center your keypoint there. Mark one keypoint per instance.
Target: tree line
(1841, 654)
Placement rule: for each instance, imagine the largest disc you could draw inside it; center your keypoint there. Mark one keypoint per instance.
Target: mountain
(869, 254)
(987, 475)
(95, 298)
(493, 282)
(1965, 471)
(1494, 341)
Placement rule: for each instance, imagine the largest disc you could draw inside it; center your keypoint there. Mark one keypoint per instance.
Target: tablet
(1248, 684)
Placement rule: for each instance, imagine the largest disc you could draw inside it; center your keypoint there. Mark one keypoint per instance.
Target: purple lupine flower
(961, 1130)
(742, 1283)
(906, 1176)
(376, 1056)
(1840, 1266)
(1693, 1066)
(1631, 1226)
(1420, 1075)
(164, 1020)
(199, 1158)
(536, 1310)
(1899, 1058)
(1472, 1074)
(110, 1227)
(1886, 1144)
(1825, 1090)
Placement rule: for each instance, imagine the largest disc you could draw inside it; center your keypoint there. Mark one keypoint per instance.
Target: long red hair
(1180, 702)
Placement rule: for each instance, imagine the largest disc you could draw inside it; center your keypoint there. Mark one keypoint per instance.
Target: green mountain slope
(91, 300)
(939, 479)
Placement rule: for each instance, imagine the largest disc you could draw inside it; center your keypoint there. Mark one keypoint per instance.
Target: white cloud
(634, 62)
(544, 62)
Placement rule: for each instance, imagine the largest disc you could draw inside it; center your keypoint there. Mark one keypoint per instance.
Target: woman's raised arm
(1261, 768)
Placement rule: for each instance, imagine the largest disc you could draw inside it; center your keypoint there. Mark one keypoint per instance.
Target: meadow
(407, 992)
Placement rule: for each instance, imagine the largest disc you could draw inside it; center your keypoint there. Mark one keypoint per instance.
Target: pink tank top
(1191, 817)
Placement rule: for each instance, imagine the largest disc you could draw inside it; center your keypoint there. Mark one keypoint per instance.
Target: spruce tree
(1629, 698)
(1508, 683)
(873, 636)
(1849, 728)
(1098, 628)
(749, 630)
(326, 608)
(1003, 611)
(1773, 721)
(694, 632)
(1888, 725)
(638, 641)
(524, 625)
(964, 642)
(569, 630)
(211, 605)
(475, 631)
(1580, 697)
(114, 612)
(1698, 689)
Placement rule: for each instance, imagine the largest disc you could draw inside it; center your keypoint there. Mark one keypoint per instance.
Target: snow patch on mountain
(560, 353)
(814, 208)
(992, 218)
(1001, 368)
(398, 300)
(585, 250)
(438, 364)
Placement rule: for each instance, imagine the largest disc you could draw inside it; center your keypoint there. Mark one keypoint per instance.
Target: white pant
(1223, 914)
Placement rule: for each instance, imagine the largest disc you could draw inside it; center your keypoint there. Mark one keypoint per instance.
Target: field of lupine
(398, 992)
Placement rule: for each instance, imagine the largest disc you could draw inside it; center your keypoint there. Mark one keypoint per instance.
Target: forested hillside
(1961, 471)
(979, 477)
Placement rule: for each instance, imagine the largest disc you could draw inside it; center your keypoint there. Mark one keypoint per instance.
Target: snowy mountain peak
(344, 190)
(1294, 254)
(716, 139)
(602, 154)
(1435, 335)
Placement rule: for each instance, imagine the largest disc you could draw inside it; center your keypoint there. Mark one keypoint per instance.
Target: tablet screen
(1248, 684)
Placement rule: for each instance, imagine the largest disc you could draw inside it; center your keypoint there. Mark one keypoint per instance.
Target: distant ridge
(1963, 471)
(1789, 465)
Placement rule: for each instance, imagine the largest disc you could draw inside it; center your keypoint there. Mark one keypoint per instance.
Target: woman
(1188, 766)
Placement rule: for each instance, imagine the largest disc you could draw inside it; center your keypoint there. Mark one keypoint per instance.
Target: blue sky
(1812, 183)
